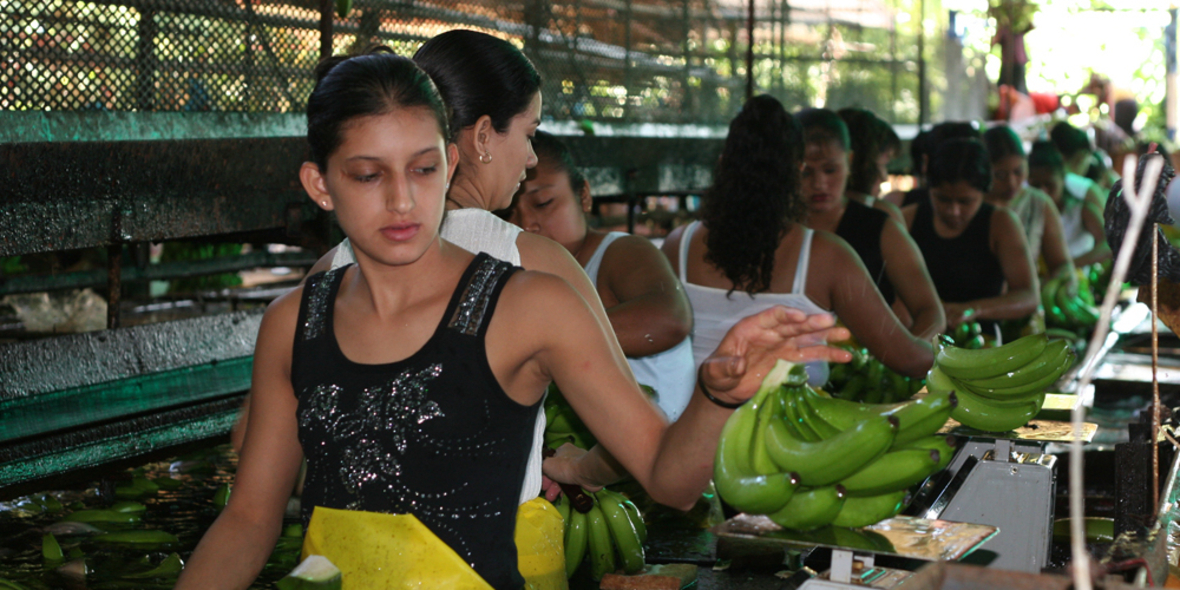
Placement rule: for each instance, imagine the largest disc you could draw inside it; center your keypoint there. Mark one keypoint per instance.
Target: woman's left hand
(957, 313)
(734, 372)
(561, 468)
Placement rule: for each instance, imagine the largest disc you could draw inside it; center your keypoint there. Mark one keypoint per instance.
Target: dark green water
(183, 506)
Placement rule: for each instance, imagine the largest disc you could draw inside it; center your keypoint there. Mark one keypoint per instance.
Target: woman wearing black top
(891, 257)
(411, 379)
(977, 254)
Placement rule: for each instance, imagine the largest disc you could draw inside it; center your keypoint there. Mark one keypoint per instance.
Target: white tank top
(672, 373)
(1077, 240)
(714, 311)
(476, 230)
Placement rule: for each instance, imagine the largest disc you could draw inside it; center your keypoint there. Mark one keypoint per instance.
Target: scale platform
(854, 550)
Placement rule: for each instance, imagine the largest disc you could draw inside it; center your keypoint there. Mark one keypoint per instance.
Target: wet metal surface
(915, 538)
(61, 196)
(42, 366)
(1040, 430)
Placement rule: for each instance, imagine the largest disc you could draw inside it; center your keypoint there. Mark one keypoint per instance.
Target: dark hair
(1046, 155)
(755, 194)
(919, 147)
(478, 74)
(1097, 170)
(822, 126)
(372, 84)
(947, 131)
(556, 154)
(871, 136)
(958, 160)
(1069, 139)
(1002, 142)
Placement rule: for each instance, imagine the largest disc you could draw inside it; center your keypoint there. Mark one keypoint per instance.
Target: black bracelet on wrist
(709, 396)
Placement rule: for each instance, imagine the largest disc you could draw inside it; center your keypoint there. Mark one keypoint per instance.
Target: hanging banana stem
(1139, 203)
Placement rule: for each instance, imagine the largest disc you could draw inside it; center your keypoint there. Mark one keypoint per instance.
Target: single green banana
(563, 508)
(170, 566)
(622, 532)
(821, 427)
(1049, 292)
(576, 539)
(989, 362)
(829, 461)
(796, 419)
(916, 418)
(979, 413)
(943, 443)
(1054, 360)
(900, 388)
(895, 470)
(869, 510)
(733, 475)
(102, 516)
(602, 553)
(636, 520)
(811, 509)
(768, 412)
(632, 513)
(51, 549)
(141, 537)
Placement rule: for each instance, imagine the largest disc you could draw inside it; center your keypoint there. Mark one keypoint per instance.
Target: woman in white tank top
(647, 308)
(749, 252)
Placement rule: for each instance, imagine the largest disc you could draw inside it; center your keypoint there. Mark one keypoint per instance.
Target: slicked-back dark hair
(1069, 139)
(822, 126)
(755, 194)
(1044, 154)
(555, 153)
(1002, 142)
(375, 83)
(958, 160)
(871, 136)
(478, 75)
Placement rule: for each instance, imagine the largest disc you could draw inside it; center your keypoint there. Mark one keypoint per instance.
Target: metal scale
(996, 482)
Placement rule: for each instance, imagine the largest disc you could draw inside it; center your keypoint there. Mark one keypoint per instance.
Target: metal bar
(91, 404)
(22, 464)
(156, 272)
(113, 283)
(37, 367)
(145, 87)
(750, 52)
(923, 98)
(325, 28)
(1155, 381)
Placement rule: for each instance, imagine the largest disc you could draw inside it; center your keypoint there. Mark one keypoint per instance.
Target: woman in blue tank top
(410, 380)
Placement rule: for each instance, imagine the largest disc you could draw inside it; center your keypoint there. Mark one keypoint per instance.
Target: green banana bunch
(611, 533)
(869, 380)
(916, 419)
(1066, 307)
(562, 424)
(811, 508)
(734, 475)
(1001, 388)
(828, 461)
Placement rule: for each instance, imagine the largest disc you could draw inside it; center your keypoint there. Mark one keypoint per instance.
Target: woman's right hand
(734, 372)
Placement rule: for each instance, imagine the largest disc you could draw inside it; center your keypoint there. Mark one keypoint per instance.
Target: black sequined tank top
(861, 227)
(433, 435)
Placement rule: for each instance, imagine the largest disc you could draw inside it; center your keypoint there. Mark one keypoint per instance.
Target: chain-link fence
(677, 61)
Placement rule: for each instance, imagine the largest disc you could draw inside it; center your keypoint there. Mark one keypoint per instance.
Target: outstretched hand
(734, 371)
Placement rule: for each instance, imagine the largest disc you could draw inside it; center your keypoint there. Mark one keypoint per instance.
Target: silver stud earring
(447, 188)
(324, 203)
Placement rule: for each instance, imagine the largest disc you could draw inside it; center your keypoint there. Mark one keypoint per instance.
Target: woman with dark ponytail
(750, 249)
(411, 379)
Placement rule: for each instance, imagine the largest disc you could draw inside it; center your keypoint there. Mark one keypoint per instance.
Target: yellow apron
(397, 551)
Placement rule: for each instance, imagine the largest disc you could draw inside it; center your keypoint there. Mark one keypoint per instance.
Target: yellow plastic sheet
(398, 552)
(540, 545)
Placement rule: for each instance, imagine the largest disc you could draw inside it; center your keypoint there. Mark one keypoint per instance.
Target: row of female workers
(410, 374)
(961, 248)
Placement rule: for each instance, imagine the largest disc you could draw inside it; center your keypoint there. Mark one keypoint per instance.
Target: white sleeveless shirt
(1077, 240)
(672, 373)
(476, 230)
(714, 311)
